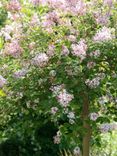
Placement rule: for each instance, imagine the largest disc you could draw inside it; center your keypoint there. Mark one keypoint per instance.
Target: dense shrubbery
(58, 79)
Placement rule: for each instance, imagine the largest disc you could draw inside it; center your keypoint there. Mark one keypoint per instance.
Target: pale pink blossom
(72, 38)
(64, 98)
(95, 53)
(2, 81)
(57, 138)
(79, 49)
(51, 19)
(76, 7)
(65, 51)
(57, 88)
(14, 5)
(35, 2)
(102, 100)
(14, 49)
(93, 116)
(51, 50)
(54, 110)
(20, 73)
(40, 60)
(104, 34)
(71, 117)
(108, 2)
(76, 151)
(91, 64)
(35, 20)
(101, 18)
(95, 82)
(105, 127)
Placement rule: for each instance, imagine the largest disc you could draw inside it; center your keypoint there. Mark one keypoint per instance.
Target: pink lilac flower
(65, 51)
(54, 110)
(79, 49)
(91, 64)
(40, 60)
(56, 4)
(102, 100)
(35, 2)
(14, 16)
(20, 73)
(64, 98)
(76, 7)
(2, 81)
(6, 31)
(104, 34)
(51, 50)
(14, 49)
(51, 19)
(95, 53)
(108, 2)
(76, 151)
(14, 5)
(56, 89)
(71, 117)
(72, 38)
(93, 116)
(105, 127)
(102, 19)
(57, 138)
(95, 82)
(34, 20)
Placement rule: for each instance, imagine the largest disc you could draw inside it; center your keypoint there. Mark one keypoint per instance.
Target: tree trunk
(86, 125)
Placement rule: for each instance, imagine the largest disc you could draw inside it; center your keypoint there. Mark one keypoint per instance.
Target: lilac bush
(60, 59)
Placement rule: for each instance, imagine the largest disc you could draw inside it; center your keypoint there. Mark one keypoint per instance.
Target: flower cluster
(102, 100)
(95, 54)
(76, 7)
(93, 116)
(34, 20)
(14, 49)
(51, 50)
(79, 49)
(2, 81)
(65, 51)
(57, 138)
(95, 82)
(104, 34)
(40, 60)
(105, 127)
(20, 73)
(56, 89)
(64, 98)
(91, 64)
(76, 151)
(14, 5)
(108, 2)
(35, 2)
(71, 117)
(51, 19)
(54, 110)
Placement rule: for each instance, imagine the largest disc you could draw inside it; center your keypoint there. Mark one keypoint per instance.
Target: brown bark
(86, 125)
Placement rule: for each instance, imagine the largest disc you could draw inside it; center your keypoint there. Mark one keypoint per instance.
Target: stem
(86, 125)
